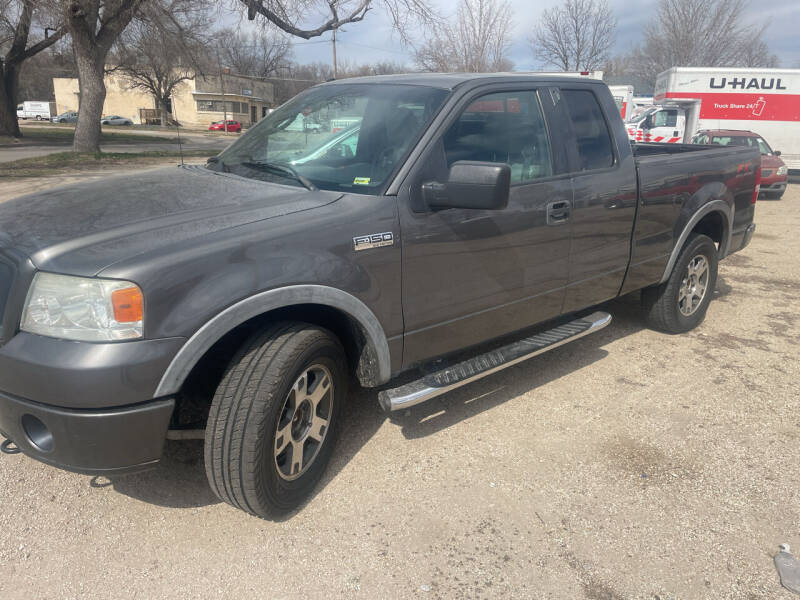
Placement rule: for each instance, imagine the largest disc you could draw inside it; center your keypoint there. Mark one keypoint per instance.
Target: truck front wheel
(680, 303)
(272, 424)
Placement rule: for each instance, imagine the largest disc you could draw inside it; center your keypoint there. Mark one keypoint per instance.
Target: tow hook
(9, 447)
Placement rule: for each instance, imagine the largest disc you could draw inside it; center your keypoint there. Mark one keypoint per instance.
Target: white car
(115, 120)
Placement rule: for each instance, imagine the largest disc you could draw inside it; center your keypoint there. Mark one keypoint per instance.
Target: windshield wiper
(282, 169)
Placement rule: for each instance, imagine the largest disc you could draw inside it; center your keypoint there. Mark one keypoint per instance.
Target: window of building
(219, 106)
(505, 127)
(591, 130)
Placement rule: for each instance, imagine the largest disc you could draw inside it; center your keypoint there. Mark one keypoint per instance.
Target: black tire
(251, 402)
(661, 303)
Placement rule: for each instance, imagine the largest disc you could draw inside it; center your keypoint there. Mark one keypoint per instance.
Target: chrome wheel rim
(693, 285)
(303, 422)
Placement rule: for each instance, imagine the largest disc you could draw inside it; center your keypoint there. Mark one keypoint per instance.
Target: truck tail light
(757, 187)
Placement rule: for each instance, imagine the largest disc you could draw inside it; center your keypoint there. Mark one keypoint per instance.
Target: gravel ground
(628, 464)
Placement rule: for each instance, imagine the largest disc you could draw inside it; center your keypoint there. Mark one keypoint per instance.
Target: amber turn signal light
(128, 305)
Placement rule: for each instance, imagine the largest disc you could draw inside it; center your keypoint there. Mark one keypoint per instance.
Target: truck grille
(766, 172)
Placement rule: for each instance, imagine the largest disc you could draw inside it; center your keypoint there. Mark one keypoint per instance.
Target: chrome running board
(462, 373)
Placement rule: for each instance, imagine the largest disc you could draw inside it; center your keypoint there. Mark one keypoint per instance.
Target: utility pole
(334, 52)
(222, 85)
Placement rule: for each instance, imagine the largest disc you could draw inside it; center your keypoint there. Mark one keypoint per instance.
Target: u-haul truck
(690, 99)
(623, 96)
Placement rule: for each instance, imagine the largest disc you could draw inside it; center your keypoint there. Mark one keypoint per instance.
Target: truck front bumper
(86, 407)
(96, 442)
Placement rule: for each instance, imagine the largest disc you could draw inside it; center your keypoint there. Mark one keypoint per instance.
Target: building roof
(449, 81)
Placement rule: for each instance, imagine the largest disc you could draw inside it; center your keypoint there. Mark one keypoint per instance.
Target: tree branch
(334, 22)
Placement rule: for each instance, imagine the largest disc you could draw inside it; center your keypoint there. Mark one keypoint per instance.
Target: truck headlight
(83, 308)
(782, 170)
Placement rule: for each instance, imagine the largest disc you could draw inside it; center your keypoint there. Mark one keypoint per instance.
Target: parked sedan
(67, 117)
(774, 173)
(234, 126)
(115, 120)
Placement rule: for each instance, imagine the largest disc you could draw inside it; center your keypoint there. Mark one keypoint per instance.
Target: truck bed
(674, 179)
(652, 149)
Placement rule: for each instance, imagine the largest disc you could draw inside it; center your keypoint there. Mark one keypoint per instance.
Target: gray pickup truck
(442, 226)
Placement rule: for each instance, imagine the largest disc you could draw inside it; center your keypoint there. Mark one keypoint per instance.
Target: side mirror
(471, 184)
(777, 153)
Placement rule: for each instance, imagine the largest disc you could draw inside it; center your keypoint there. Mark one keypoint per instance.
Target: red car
(774, 173)
(233, 126)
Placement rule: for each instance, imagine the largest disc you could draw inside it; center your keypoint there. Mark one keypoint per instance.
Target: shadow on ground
(180, 481)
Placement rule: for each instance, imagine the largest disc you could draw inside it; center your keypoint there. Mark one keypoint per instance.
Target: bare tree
(259, 54)
(161, 49)
(36, 79)
(477, 41)
(292, 16)
(94, 25)
(700, 33)
(576, 36)
(348, 69)
(16, 46)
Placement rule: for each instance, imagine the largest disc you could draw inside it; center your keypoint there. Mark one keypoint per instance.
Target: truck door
(665, 126)
(470, 275)
(604, 199)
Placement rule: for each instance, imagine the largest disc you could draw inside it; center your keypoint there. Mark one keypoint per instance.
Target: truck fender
(720, 206)
(256, 305)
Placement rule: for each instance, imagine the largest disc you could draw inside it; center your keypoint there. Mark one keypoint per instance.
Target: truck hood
(83, 228)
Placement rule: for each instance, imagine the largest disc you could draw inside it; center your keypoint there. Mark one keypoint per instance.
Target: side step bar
(449, 378)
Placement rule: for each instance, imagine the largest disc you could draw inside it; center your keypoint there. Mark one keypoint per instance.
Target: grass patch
(69, 162)
(64, 134)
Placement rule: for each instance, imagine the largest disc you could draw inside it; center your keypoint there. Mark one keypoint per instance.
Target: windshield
(763, 146)
(642, 114)
(741, 140)
(343, 137)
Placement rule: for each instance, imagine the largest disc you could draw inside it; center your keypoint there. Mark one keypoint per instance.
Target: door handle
(558, 212)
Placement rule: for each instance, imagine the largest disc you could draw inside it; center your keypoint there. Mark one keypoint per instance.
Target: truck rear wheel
(272, 424)
(680, 303)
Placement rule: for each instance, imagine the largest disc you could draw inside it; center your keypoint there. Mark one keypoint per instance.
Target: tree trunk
(9, 83)
(90, 62)
(162, 105)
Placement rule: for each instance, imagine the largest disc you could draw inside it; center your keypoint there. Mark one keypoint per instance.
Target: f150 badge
(374, 240)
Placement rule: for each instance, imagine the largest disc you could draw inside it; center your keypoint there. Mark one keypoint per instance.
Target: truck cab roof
(450, 81)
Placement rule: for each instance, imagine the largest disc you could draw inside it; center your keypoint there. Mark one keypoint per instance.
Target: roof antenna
(177, 128)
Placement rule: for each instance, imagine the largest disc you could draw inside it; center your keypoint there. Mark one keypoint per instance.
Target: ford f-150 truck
(473, 223)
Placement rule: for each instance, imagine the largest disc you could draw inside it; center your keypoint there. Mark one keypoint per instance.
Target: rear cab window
(594, 146)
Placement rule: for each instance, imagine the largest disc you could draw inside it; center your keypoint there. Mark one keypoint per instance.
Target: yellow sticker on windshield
(361, 181)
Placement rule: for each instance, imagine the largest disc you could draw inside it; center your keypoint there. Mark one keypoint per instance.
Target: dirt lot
(629, 464)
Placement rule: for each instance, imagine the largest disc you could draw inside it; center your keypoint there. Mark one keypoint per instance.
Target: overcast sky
(372, 40)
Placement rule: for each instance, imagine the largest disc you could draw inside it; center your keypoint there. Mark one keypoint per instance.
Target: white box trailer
(623, 96)
(690, 99)
(32, 109)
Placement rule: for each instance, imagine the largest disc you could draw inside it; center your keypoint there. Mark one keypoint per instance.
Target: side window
(506, 127)
(595, 150)
(666, 118)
